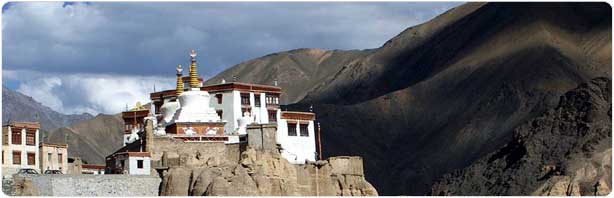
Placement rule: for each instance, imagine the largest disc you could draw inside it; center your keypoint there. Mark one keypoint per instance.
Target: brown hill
(441, 94)
(93, 139)
(566, 151)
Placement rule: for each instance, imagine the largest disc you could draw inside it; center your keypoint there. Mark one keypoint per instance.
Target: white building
(132, 163)
(296, 135)
(234, 100)
(20, 147)
(236, 105)
(93, 169)
(53, 157)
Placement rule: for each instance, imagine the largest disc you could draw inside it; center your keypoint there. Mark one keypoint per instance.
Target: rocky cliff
(565, 151)
(264, 173)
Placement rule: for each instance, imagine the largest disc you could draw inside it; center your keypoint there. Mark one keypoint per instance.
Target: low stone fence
(87, 185)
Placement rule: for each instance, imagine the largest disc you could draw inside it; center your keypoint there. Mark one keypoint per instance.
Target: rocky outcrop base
(265, 173)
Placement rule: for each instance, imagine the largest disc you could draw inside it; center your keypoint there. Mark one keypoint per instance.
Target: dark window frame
(139, 164)
(246, 109)
(257, 100)
(244, 99)
(219, 98)
(272, 116)
(31, 138)
(304, 130)
(272, 99)
(16, 137)
(292, 129)
(31, 158)
(17, 161)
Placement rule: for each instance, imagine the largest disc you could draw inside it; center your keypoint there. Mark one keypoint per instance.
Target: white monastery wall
(297, 148)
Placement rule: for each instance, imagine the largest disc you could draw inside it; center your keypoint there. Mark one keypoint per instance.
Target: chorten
(194, 115)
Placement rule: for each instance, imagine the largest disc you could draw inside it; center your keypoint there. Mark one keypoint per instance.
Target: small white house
(296, 135)
(131, 163)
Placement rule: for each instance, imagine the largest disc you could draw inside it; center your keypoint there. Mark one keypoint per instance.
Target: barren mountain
(441, 94)
(566, 151)
(93, 139)
(19, 107)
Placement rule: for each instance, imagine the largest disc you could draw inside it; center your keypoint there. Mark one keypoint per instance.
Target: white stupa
(194, 107)
(194, 103)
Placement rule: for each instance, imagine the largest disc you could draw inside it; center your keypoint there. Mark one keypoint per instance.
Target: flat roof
(53, 145)
(222, 87)
(297, 115)
(24, 124)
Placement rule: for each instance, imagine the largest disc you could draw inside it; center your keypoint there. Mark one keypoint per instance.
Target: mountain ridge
(19, 107)
(465, 79)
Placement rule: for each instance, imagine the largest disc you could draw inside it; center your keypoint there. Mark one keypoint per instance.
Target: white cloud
(91, 93)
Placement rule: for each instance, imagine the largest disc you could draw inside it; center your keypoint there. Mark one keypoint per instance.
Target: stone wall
(86, 185)
(192, 154)
(262, 136)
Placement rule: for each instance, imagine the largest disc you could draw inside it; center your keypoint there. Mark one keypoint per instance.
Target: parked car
(58, 172)
(27, 171)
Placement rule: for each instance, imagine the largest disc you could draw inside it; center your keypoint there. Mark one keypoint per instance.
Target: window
(220, 113)
(2, 157)
(48, 157)
(139, 164)
(272, 116)
(304, 132)
(60, 160)
(31, 138)
(17, 157)
(219, 98)
(257, 100)
(16, 136)
(244, 99)
(31, 159)
(248, 110)
(272, 100)
(291, 129)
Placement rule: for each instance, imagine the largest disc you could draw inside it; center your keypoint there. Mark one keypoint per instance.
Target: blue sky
(74, 57)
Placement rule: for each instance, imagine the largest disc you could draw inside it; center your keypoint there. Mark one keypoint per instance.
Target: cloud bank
(101, 40)
(90, 93)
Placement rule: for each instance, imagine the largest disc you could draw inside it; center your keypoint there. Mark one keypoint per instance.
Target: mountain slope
(19, 107)
(93, 139)
(569, 146)
(441, 94)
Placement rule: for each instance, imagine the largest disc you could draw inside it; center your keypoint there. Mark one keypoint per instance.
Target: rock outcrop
(566, 151)
(261, 173)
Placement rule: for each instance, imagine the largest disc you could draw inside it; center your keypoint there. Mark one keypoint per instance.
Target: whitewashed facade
(54, 157)
(20, 147)
(298, 146)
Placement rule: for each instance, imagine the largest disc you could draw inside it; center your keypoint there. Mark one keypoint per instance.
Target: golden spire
(179, 81)
(193, 71)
